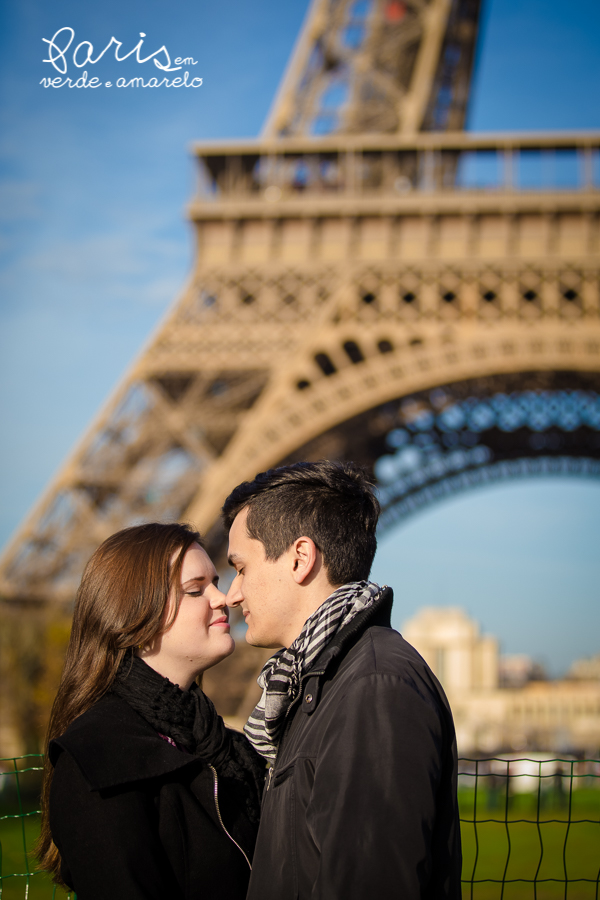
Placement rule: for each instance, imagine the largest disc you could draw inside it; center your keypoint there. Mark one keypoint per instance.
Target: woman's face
(199, 637)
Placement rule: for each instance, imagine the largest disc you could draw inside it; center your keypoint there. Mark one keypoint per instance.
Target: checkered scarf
(282, 674)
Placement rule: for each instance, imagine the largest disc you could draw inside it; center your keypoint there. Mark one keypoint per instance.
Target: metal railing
(393, 166)
(530, 828)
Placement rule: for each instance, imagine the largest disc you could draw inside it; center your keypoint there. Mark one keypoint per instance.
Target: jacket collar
(114, 745)
(379, 613)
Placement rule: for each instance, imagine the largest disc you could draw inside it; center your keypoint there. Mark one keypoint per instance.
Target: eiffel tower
(371, 282)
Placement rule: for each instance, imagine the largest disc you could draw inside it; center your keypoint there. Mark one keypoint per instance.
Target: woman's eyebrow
(193, 580)
(199, 578)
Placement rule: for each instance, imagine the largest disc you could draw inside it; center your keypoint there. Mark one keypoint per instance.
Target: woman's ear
(304, 558)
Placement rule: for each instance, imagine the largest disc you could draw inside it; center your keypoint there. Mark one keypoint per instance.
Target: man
(361, 794)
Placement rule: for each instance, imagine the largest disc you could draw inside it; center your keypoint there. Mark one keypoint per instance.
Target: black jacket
(135, 818)
(361, 802)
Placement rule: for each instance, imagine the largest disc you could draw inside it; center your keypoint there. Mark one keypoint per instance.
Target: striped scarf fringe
(281, 675)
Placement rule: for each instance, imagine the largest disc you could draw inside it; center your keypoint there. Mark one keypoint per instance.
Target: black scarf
(281, 676)
(188, 717)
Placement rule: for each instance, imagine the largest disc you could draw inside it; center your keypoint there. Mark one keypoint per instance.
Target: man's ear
(304, 558)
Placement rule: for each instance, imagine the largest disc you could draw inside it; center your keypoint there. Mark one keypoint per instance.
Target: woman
(146, 794)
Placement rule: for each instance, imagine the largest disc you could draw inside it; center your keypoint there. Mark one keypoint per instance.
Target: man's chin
(257, 641)
(254, 639)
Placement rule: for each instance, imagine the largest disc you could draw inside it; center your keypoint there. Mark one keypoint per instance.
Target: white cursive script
(82, 82)
(57, 54)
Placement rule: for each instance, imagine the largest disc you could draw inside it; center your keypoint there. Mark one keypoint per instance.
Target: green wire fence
(20, 781)
(530, 828)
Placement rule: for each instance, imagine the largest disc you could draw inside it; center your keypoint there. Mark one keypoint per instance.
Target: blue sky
(94, 247)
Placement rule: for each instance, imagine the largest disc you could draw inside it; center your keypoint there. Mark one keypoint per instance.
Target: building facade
(558, 716)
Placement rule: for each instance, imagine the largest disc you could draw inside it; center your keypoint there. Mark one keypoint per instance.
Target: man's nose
(234, 594)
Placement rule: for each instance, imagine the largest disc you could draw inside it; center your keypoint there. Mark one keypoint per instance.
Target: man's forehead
(238, 531)
(241, 544)
(238, 536)
(239, 523)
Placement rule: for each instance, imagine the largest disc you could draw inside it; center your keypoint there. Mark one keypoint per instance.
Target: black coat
(135, 818)
(361, 802)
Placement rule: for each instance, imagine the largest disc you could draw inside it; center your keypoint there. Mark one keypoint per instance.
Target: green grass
(504, 840)
(536, 852)
(17, 838)
(19, 830)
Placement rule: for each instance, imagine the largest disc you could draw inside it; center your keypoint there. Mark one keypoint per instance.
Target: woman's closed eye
(194, 588)
(197, 588)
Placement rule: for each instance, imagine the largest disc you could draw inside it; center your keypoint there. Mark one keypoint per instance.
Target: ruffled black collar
(188, 717)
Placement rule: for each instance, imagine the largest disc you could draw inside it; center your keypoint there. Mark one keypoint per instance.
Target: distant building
(518, 670)
(585, 669)
(559, 716)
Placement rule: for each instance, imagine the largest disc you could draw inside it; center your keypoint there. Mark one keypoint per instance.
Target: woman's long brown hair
(120, 605)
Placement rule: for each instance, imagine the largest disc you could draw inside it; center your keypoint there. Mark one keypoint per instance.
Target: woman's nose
(217, 598)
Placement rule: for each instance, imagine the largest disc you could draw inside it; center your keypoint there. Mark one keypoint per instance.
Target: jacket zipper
(233, 841)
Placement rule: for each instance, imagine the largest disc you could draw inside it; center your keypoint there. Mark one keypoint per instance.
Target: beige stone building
(585, 669)
(556, 716)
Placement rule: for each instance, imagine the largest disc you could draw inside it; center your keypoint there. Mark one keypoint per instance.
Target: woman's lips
(223, 621)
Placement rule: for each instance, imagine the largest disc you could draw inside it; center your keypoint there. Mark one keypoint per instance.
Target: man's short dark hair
(333, 503)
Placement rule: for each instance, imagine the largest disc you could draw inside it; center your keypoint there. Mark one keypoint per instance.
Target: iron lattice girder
(378, 66)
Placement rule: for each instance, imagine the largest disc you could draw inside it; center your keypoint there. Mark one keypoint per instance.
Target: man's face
(263, 588)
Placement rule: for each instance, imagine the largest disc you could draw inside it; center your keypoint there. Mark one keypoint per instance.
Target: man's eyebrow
(233, 558)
